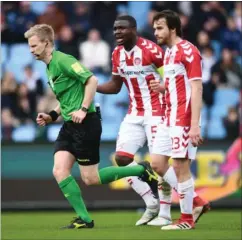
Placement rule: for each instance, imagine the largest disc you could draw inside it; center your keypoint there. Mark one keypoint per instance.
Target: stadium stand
(15, 56)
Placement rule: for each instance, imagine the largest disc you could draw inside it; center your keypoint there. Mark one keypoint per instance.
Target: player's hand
(195, 136)
(78, 116)
(156, 86)
(43, 119)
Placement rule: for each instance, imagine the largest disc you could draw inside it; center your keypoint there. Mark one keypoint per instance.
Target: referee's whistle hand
(78, 116)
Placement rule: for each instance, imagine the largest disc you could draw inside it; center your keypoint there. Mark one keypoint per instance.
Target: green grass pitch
(215, 225)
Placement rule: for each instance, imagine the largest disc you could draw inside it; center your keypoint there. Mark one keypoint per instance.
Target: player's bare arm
(196, 105)
(111, 87)
(90, 90)
(57, 109)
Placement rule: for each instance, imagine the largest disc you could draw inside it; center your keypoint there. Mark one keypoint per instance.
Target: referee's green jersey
(67, 78)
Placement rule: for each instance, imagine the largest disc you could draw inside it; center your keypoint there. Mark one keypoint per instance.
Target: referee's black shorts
(81, 139)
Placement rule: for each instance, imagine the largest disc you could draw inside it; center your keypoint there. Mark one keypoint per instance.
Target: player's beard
(165, 39)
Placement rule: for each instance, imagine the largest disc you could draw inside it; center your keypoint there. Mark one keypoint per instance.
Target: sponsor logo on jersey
(132, 72)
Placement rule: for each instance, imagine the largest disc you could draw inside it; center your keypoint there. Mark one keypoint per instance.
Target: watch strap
(84, 109)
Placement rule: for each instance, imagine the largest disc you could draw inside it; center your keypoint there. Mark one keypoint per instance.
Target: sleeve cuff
(195, 78)
(113, 73)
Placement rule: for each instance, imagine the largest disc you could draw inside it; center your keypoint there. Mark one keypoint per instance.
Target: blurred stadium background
(84, 29)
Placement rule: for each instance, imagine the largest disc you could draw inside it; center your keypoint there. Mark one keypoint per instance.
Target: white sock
(165, 200)
(194, 193)
(142, 188)
(185, 190)
(170, 177)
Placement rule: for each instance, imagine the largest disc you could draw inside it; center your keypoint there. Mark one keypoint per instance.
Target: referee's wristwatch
(84, 109)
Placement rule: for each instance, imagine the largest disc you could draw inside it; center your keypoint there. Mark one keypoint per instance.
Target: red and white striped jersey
(182, 64)
(136, 68)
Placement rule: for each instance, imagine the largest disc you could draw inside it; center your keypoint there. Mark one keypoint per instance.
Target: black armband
(54, 115)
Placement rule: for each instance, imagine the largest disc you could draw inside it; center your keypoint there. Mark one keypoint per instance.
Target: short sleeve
(74, 69)
(157, 56)
(115, 63)
(193, 64)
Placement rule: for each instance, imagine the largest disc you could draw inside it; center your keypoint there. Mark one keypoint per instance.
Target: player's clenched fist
(43, 119)
(78, 116)
(156, 86)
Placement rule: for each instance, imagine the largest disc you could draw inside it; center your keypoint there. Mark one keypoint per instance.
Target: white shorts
(133, 133)
(174, 142)
(162, 143)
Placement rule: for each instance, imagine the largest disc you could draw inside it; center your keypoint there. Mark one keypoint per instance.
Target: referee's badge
(77, 67)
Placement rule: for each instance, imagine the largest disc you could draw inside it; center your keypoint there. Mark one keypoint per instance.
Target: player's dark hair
(172, 19)
(130, 19)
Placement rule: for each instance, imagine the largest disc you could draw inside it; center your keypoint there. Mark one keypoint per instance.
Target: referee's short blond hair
(42, 31)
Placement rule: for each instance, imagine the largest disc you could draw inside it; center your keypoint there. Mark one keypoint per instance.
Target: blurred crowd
(84, 30)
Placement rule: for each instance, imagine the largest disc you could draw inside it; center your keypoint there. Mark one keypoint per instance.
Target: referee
(79, 137)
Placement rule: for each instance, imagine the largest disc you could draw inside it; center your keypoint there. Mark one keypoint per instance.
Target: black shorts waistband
(88, 114)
